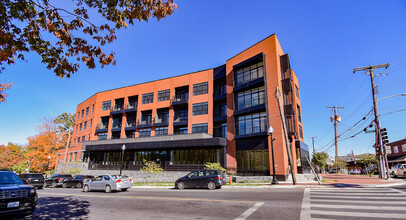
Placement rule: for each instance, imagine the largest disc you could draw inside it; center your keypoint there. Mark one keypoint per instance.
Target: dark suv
(76, 181)
(15, 196)
(212, 179)
(35, 179)
(56, 180)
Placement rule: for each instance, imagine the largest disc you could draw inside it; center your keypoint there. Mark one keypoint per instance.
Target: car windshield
(54, 175)
(34, 175)
(10, 178)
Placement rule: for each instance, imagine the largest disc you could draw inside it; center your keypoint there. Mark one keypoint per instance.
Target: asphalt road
(170, 204)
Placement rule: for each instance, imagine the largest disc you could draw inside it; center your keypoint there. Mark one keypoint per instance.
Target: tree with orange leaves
(11, 155)
(44, 144)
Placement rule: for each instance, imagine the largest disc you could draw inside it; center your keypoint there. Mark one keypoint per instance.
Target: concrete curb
(228, 187)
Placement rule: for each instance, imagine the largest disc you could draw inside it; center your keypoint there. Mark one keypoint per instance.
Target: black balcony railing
(130, 124)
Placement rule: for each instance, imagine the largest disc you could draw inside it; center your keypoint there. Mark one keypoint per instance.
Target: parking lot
(169, 204)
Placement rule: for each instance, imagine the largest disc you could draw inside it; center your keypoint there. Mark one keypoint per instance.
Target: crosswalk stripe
(358, 194)
(352, 206)
(359, 214)
(403, 198)
(359, 201)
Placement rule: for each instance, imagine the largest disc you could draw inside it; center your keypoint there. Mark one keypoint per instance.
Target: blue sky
(325, 41)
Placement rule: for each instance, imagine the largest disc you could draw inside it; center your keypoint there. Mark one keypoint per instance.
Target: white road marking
(360, 214)
(403, 198)
(249, 211)
(399, 191)
(352, 206)
(305, 213)
(358, 202)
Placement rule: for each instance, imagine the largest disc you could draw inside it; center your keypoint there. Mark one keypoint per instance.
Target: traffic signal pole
(369, 70)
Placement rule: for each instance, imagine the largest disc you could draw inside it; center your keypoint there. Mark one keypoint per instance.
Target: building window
(145, 132)
(395, 149)
(77, 128)
(299, 114)
(249, 74)
(91, 121)
(300, 131)
(388, 149)
(93, 108)
(250, 98)
(80, 127)
(83, 138)
(106, 105)
(253, 160)
(200, 108)
(199, 128)
(161, 131)
(164, 95)
(147, 98)
(102, 136)
(87, 111)
(194, 156)
(201, 88)
(249, 124)
(297, 91)
(403, 147)
(180, 130)
(221, 130)
(78, 139)
(75, 157)
(85, 125)
(83, 113)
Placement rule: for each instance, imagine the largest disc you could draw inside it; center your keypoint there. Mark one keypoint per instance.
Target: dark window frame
(251, 97)
(106, 105)
(200, 108)
(161, 131)
(147, 98)
(145, 132)
(200, 88)
(200, 128)
(249, 73)
(251, 124)
(164, 95)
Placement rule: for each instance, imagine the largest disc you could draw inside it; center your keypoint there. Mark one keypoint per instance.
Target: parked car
(15, 196)
(369, 170)
(77, 181)
(35, 179)
(398, 170)
(212, 179)
(108, 183)
(355, 171)
(332, 170)
(56, 180)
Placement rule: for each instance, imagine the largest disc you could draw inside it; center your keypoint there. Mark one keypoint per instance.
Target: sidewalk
(328, 181)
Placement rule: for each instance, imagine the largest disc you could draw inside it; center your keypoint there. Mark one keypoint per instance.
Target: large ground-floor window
(195, 156)
(257, 160)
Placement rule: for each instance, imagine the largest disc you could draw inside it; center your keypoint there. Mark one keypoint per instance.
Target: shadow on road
(60, 208)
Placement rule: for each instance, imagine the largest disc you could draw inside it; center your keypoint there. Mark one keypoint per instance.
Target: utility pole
(314, 151)
(369, 70)
(336, 118)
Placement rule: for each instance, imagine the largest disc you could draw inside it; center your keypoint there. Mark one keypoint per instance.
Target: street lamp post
(49, 157)
(122, 158)
(274, 180)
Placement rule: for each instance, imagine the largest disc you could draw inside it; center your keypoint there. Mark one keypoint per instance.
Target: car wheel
(79, 185)
(211, 185)
(181, 185)
(86, 188)
(64, 185)
(107, 189)
(124, 189)
(53, 185)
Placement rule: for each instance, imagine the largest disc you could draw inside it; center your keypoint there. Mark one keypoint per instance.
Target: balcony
(131, 107)
(179, 100)
(102, 128)
(130, 125)
(180, 121)
(144, 124)
(117, 109)
(249, 85)
(160, 122)
(220, 118)
(116, 127)
(252, 109)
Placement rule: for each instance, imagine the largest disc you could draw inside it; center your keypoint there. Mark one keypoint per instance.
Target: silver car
(108, 183)
(398, 170)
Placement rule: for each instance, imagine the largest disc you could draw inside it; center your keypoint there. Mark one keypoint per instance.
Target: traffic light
(378, 151)
(384, 136)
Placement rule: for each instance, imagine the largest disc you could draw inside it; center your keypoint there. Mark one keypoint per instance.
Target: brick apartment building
(215, 115)
(396, 152)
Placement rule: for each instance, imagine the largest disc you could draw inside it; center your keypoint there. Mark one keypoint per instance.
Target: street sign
(370, 131)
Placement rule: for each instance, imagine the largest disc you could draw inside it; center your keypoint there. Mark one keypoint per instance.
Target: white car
(398, 170)
(108, 183)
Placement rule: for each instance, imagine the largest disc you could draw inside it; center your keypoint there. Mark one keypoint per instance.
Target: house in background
(396, 152)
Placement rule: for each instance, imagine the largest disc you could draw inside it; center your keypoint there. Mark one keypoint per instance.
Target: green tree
(74, 171)
(320, 159)
(64, 121)
(368, 160)
(214, 166)
(64, 35)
